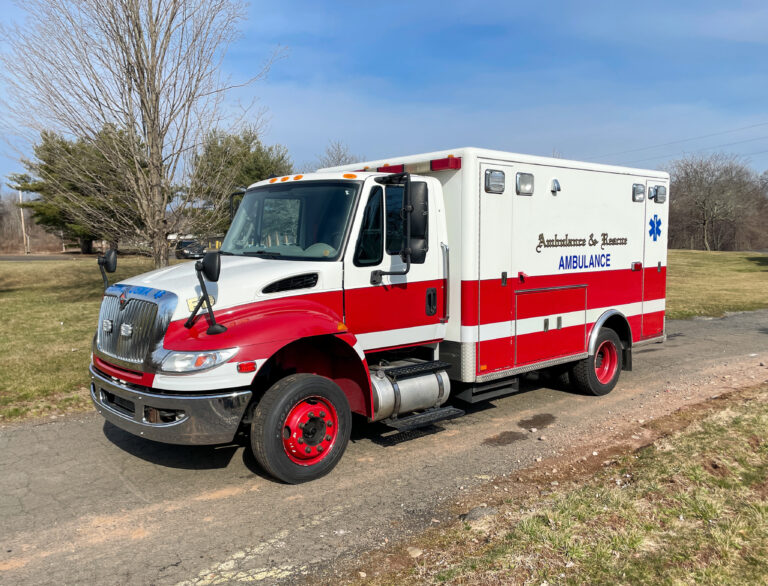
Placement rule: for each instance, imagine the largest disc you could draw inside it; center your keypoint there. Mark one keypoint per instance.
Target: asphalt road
(83, 502)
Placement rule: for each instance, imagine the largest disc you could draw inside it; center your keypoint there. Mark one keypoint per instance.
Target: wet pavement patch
(538, 421)
(504, 438)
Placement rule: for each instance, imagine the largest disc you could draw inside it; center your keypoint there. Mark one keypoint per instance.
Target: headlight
(196, 361)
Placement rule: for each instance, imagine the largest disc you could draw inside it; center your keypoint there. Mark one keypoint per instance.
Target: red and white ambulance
(384, 289)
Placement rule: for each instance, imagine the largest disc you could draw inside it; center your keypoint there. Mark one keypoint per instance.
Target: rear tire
(301, 428)
(599, 373)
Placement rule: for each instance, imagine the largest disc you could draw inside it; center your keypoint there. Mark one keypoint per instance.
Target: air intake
(292, 283)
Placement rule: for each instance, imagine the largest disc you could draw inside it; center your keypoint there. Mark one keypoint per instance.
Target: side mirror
(110, 260)
(419, 222)
(210, 266)
(107, 264)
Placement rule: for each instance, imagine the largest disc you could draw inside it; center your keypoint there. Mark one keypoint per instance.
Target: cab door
(401, 310)
(655, 258)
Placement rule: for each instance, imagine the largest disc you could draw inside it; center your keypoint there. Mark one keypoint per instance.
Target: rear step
(415, 369)
(417, 420)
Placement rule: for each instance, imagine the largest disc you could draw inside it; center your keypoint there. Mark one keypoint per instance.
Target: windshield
(302, 220)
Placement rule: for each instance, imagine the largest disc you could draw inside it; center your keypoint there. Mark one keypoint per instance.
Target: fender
(263, 324)
(614, 316)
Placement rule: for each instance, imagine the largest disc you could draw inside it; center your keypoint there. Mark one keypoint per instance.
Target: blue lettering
(607, 260)
(561, 267)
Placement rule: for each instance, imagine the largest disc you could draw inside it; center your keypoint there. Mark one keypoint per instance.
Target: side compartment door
(655, 257)
(495, 346)
(403, 309)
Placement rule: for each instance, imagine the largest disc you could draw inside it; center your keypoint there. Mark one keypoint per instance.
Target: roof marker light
(297, 177)
(273, 179)
(349, 176)
(284, 178)
(450, 162)
(391, 168)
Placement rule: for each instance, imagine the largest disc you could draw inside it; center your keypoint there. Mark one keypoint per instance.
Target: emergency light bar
(449, 163)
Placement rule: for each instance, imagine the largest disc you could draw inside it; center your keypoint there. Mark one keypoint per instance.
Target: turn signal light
(249, 366)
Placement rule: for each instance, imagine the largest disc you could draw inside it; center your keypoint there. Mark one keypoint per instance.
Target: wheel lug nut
(301, 440)
(311, 413)
(322, 414)
(329, 423)
(327, 438)
(319, 448)
(308, 450)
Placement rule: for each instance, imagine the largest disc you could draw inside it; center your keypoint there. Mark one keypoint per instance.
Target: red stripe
(131, 376)
(389, 307)
(488, 301)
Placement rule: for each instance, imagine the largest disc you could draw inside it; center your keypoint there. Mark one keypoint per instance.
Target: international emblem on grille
(123, 300)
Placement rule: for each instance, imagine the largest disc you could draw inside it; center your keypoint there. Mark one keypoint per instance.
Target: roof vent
(291, 283)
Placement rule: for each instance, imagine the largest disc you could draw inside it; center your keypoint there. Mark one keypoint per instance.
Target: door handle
(431, 305)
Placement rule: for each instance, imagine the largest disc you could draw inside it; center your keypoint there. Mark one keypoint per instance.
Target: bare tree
(717, 203)
(138, 79)
(337, 153)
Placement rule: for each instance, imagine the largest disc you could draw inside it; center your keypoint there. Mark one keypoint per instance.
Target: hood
(241, 281)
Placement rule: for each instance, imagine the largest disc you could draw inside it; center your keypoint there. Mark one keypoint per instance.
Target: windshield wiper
(225, 253)
(265, 253)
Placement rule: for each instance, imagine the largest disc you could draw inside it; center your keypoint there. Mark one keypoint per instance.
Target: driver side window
(370, 242)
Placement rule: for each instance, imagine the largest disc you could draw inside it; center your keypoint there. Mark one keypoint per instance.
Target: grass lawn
(712, 283)
(51, 310)
(690, 509)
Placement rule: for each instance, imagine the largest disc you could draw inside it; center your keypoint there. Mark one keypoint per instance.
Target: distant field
(713, 283)
(50, 311)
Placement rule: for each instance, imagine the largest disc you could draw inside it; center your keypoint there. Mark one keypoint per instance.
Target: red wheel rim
(310, 430)
(606, 362)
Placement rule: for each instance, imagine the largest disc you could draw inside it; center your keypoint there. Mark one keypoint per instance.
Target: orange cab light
(284, 178)
(273, 179)
(349, 176)
(297, 177)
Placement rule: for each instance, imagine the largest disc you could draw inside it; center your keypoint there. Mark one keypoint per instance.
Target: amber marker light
(349, 176)
(297, 177)
(273, 179)
(284, 178)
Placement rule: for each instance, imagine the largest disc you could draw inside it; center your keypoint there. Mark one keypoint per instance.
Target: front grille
(130, 334)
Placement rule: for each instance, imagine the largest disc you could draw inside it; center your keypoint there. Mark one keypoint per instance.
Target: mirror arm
(103, 273)
(214, 328)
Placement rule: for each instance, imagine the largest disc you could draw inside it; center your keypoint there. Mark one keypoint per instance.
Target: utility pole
(23, 225)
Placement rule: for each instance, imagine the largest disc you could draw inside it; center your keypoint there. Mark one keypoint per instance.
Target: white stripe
(399, 337)
(531, 325)
(220, 377)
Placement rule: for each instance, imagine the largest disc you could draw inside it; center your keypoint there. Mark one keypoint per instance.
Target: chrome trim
(208, 419)
(447, 276)
(153, 351)
(599, 323)
(656, 340)
(530, 367)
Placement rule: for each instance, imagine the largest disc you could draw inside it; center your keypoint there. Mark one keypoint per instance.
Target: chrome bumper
(199, 419)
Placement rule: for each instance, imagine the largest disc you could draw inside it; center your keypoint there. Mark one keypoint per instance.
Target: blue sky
(591, 80)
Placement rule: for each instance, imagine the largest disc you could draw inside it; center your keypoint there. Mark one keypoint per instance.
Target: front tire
(599, 373)
(301, 428)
